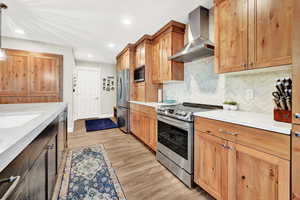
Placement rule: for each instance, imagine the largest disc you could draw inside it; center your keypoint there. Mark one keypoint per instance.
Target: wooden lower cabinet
(257, 175)
(296, 163)
(210, 171)
(144, 126)
(231, 171)
(153, 132)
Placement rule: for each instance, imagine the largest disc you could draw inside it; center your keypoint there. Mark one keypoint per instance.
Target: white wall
(69, 65)
(108, 99)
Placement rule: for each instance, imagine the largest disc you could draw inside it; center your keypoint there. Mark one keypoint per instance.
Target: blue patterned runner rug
(88, 175)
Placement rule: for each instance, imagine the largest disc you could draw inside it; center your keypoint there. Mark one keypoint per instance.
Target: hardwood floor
(141, 176)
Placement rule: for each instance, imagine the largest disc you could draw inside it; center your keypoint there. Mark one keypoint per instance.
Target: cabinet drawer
(266, 141)
(144, 109)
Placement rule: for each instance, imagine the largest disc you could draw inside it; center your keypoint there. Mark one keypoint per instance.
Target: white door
(87, 93)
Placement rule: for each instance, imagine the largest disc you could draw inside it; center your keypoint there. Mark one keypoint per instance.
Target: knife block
(283, 116)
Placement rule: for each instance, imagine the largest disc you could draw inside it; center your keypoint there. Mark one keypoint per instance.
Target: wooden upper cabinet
(272, 33)
(27, 77)
(140, 55)
(44, 72)
(14, 74)
(253, 34)
(125, 58)
(156, 62)
(231, 35)
(167, 42)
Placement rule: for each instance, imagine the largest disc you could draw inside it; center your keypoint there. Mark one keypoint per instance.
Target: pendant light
(2, 51)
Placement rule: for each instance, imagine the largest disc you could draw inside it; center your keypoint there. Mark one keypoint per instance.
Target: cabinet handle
(225, 147)
(50, 147)
(297, 115)
(207, 132)
(227, 133)
(297, 134)
(15, 180)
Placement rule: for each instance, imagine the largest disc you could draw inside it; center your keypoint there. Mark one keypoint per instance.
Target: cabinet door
(259, 175)
(134, 122)
(153, 132)
(271, 31)
(156, 63)
(296, 162)
(140, 92)
(37, 178)
(14, 74)
(231, 35)
(144, 128)
(210, 164)
(44, 75)
(21, 192)
(51, 167)
(61, 137)
(165, 52)
(126, 60)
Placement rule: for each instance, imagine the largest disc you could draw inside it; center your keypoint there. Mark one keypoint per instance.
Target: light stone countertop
(14, 139)
(250, 119)
(152, 104)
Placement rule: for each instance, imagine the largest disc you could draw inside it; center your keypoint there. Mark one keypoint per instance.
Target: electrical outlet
(250, 94)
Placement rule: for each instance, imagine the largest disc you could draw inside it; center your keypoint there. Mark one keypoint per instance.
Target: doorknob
(297, 115)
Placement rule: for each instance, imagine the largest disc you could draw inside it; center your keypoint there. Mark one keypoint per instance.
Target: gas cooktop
(185, 111)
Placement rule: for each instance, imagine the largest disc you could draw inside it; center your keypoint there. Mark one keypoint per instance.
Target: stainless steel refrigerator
(123, 95)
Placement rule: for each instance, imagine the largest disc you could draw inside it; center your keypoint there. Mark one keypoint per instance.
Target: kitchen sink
(16, 120)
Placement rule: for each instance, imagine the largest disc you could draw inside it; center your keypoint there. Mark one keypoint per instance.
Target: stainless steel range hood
(201, 46)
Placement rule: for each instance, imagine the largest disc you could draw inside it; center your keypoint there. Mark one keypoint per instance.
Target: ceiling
(94, 28)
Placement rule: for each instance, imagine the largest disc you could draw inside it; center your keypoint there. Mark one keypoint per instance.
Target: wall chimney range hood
(200, 46)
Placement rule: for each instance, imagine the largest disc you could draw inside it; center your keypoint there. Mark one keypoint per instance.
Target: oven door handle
(176, 123)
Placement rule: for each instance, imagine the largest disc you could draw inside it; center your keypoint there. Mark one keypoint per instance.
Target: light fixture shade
(3, 55)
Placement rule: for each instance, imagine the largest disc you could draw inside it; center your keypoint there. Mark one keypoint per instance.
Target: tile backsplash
(202, 85)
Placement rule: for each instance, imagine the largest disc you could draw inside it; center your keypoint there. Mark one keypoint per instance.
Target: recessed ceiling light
(126, 21)
(20, 31)
(90, 55)
(111, 45)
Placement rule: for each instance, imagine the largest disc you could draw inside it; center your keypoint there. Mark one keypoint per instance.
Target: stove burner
(185, 111)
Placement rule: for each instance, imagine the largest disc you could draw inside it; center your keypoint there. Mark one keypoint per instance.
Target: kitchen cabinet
(43, 67)
(296, 162)
(143, 124)
(257, 175)
(245, 32)
(166, 42)
(14, 74)
(231, 33)
(51, 166)
(37, 181)
(210, 170)
(27, 77)
(295, 175)
(232, 163)
(62, 137)
(36, 165)
(125, 58)
(145, 91)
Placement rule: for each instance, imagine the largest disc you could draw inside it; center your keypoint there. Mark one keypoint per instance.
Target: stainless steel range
(176, 138)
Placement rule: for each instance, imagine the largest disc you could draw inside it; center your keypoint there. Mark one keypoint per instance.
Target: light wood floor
(141, 176)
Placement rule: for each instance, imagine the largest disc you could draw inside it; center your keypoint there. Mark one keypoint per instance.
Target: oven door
(175, 141)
